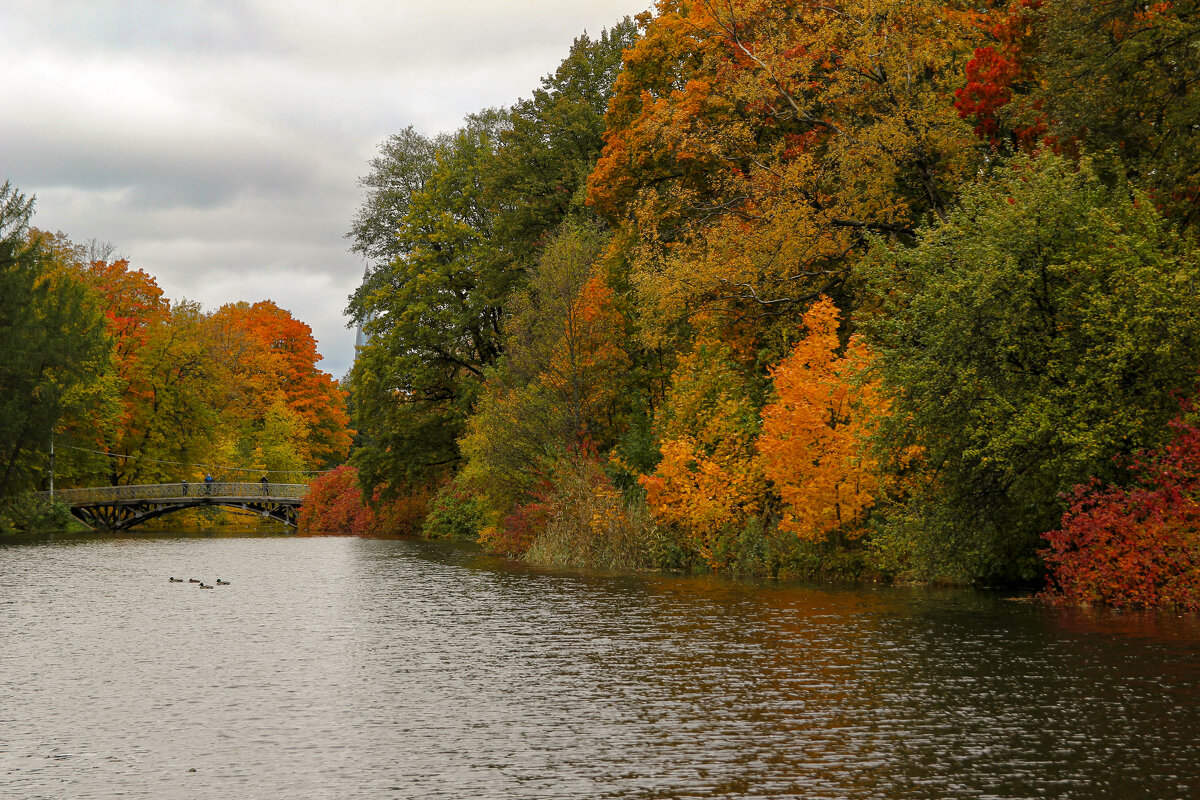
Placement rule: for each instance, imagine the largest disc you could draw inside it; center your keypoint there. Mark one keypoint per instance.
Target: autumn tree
(133, 305)
(557, 390)
(1116, 76)
(162, 376)
(752, 147)
(812, 442)
(1001, 70)
(335, 504)
(709, 478)
(273, 386)
(1036, 334)
(171, 420)
(1136, 545)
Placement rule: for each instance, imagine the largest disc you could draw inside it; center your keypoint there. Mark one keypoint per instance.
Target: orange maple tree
(811, 445)
(752, 145)
(139, 322)
(133, 304)
(276, 362)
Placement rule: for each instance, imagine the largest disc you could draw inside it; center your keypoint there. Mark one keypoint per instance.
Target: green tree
(1124, 76)
(552, 142)
(433, 314)
(454, 224)
(558, 389)
(280, 443)
(405, 162)
(1024, 343)
(53, 346)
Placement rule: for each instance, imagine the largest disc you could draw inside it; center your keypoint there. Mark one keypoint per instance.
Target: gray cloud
(219, 144)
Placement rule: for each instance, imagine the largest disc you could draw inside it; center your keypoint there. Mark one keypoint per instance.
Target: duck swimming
(175, 580)
(205, 586)
(222, 583)
(193, 580)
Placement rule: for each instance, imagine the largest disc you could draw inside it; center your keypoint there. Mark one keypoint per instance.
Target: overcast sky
(218, 143)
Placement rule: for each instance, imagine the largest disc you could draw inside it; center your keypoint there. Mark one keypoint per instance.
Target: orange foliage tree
(191, 384)
(753, 145)
(160, 365)
(811, 446)
(275, 363)
(133, 303)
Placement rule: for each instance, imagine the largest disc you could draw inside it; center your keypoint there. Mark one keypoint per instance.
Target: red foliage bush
(1137, 546)
(334, 504)
(519, 529)
(996, 69)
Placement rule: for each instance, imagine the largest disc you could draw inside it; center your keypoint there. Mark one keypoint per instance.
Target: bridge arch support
(122, 507)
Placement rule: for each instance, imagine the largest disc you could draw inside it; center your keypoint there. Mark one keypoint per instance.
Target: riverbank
(30, 513)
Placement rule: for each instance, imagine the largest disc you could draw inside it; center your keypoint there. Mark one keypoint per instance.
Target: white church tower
(361, 337)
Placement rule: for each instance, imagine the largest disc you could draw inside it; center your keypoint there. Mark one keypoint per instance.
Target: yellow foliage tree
(811, 446)
(709, 477)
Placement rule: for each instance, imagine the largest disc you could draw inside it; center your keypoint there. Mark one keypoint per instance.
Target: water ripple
(375, 668)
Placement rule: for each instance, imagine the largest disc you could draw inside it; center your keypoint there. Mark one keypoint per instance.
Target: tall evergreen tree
(52, 344)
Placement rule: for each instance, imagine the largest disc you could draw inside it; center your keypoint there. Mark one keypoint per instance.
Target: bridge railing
(156, 491)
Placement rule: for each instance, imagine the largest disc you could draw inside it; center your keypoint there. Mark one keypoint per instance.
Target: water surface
(346, 668)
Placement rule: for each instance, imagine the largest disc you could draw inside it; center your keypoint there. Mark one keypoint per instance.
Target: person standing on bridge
(265, 483)
(208, 483)
(183, 483)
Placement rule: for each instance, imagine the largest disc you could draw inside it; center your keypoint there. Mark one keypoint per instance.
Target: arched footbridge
(116, 508)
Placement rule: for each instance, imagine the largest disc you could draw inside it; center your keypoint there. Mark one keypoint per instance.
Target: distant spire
(361, 337)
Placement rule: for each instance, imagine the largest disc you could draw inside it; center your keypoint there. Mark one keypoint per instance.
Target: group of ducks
(203, 585)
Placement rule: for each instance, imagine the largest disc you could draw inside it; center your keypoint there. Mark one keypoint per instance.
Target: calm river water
(364, 668)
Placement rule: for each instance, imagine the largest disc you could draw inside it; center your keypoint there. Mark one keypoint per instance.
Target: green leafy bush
(1034, 335)
(455, 513)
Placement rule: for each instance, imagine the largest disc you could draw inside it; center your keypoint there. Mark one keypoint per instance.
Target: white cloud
(219, 144)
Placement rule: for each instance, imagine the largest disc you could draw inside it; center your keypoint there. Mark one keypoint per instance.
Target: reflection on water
(344, 668)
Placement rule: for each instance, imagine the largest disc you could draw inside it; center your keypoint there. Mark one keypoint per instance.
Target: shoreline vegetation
(868, 292)
(865, 292)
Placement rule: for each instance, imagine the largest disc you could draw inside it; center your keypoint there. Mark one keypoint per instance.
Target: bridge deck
(281, 492)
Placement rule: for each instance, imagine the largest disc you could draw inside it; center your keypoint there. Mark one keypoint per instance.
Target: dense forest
(107, 382)
(863, 290)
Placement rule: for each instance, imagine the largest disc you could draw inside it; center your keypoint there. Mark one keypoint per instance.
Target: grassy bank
(29, 513)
